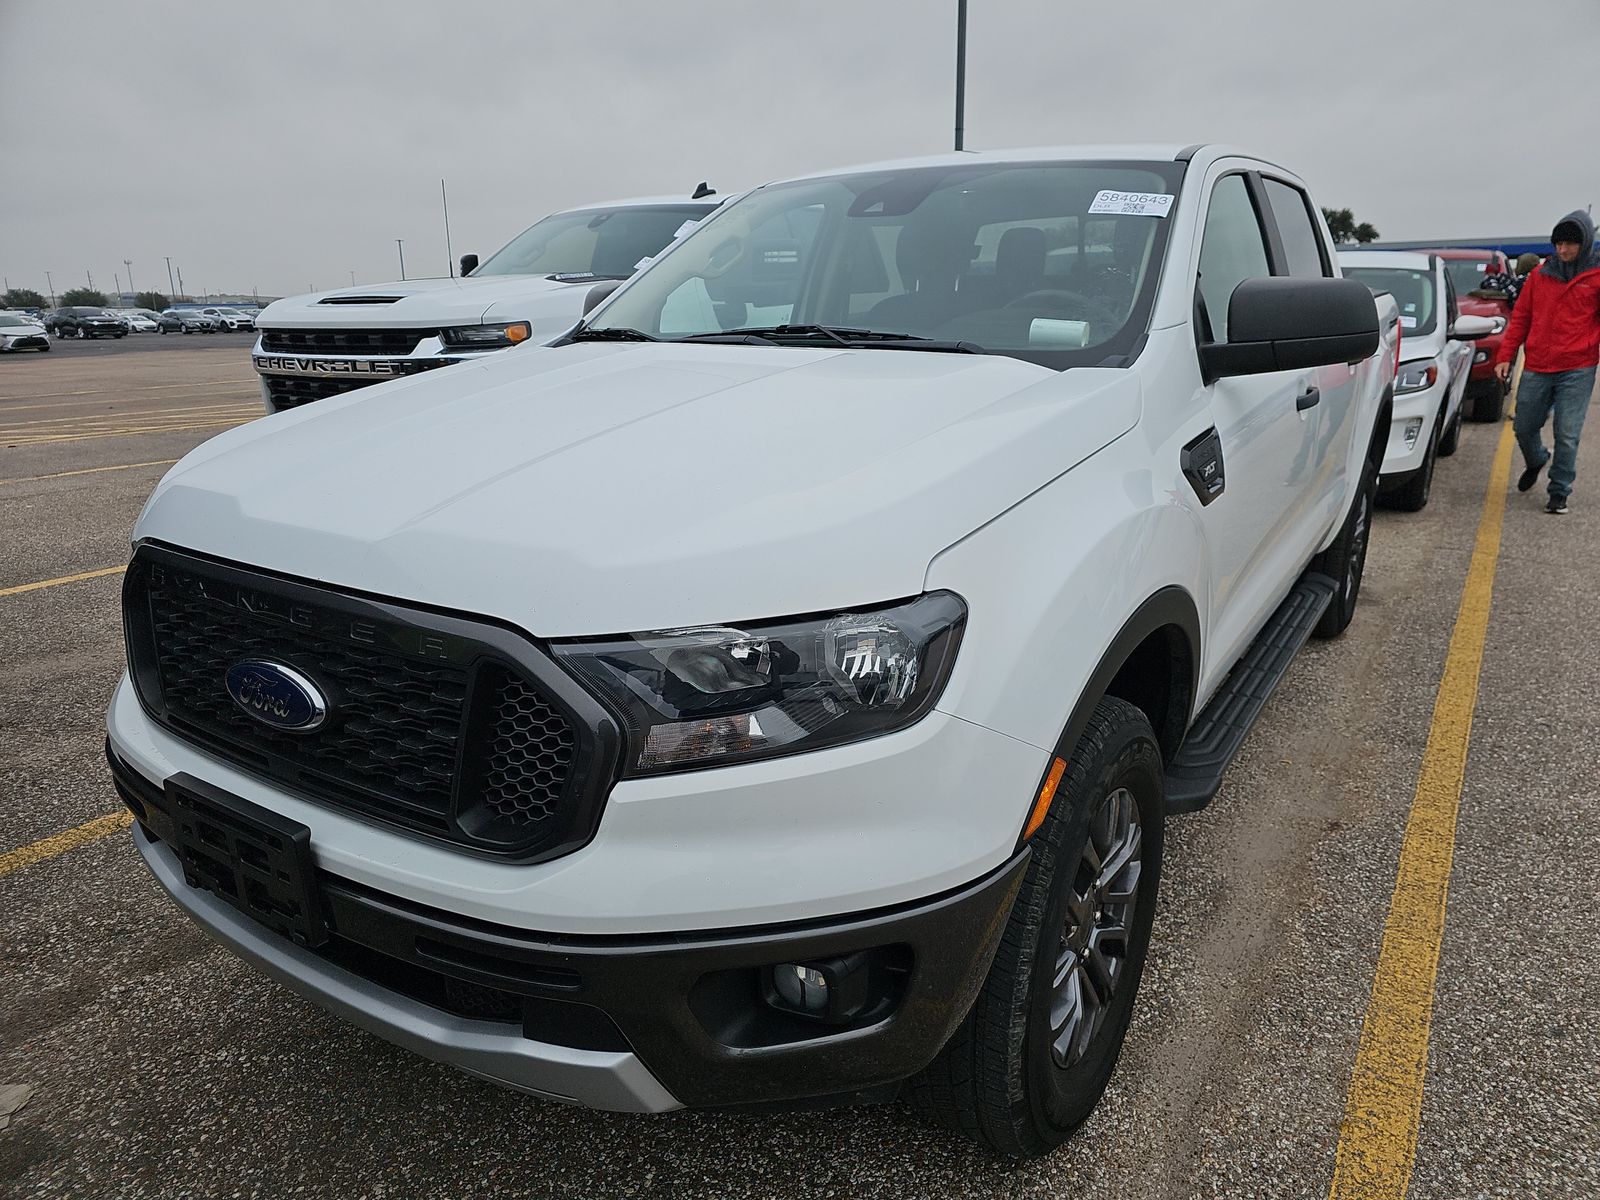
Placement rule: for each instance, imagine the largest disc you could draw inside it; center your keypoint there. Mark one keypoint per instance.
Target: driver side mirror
(469, 263)
(1286, 324)
(1465, 328)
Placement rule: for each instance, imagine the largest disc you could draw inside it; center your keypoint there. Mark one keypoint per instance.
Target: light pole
(117, 280)
(352, 279)
(128, 262)
(402, 248)
(170, 287)
(180, 281)
(961, 73)
(50, 286)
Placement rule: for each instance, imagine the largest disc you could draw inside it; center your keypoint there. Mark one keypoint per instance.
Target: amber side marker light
(1047, 793)
(518, 332)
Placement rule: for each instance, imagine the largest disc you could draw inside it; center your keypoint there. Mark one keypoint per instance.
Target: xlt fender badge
(1201, 461)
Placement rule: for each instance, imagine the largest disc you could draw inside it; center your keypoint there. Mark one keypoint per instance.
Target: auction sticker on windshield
(1131, 204)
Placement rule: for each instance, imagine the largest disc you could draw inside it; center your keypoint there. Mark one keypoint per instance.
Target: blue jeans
(1567, 392)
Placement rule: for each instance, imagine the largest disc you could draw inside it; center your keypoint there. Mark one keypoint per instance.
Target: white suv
(777, 689)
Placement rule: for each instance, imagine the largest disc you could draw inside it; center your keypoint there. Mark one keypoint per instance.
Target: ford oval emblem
(277, 695)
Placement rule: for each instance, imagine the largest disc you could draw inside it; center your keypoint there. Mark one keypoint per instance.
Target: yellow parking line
(82, 437)
(49, 583)
(1378, 1138)
(60, 843)
(160, 462)
(149, 387)
(65, 424)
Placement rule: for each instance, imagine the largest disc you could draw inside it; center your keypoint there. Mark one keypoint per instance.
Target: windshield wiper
(610, 335)
(851, 339)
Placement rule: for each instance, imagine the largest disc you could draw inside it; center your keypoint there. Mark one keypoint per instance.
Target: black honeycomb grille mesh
(398, 722)
(472, 749)
(530, 754)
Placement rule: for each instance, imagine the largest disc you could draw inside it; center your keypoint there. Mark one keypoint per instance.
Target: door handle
(1307, 400)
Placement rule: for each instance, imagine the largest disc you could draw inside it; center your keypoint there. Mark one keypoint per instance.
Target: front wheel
(1452, 435)
(1412, 495)
(1031, 1059)
(1345, 561)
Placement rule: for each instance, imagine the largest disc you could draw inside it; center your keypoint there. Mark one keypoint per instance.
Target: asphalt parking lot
(159, 1065)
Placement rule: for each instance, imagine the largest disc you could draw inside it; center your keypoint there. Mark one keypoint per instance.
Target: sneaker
(1557, 506)
(1529, 477)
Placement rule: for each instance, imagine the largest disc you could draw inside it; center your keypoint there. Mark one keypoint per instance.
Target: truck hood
(428, 303)
(609, 488)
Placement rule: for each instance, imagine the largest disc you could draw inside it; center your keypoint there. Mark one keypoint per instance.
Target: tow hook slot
(1201, 461)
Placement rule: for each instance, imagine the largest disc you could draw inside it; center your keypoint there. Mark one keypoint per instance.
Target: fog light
(1482, 356)
(836, 991)
(1413, 427)
(802, 988)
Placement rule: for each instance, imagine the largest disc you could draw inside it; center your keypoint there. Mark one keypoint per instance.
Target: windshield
(1467, 273)
(1412, 290)
(593, 242)
(7, 319)
(1040, 261)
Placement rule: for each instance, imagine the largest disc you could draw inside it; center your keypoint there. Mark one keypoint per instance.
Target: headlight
(707, 696)
(1417, 376)
(485, 337)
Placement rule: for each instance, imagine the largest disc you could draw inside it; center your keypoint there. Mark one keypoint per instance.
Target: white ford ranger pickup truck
(774, 691)
(326, 343)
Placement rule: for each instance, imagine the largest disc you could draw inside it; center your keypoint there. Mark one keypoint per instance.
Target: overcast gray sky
(282, 144)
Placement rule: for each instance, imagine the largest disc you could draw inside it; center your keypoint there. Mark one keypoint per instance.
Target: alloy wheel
(1094, 943)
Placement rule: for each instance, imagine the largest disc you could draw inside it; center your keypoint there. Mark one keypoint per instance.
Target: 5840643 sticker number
(1131, 204)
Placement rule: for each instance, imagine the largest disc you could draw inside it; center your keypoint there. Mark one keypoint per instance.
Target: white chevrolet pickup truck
(326, 343)
(775, 691)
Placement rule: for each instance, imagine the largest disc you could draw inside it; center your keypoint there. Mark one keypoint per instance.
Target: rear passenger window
(1232, 249)
(1301, 246)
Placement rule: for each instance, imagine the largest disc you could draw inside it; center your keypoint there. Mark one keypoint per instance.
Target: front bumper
(641, 1024)
(1399, 459)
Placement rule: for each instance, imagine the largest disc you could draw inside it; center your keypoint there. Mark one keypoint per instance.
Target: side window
(1301, 246)
(1451, 308)
(1232, 249)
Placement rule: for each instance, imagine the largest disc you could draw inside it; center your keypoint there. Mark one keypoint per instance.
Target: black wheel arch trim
(1171, 606)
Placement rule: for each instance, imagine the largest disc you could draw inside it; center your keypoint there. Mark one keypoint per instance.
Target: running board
(1195, 772)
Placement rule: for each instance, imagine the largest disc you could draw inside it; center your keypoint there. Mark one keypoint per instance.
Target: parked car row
(80, 321)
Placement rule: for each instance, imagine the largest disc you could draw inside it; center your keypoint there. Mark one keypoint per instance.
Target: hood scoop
(360, 299)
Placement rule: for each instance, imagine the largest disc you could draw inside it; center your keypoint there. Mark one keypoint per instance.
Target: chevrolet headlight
(485, 337)
(1417, 376)
(719, 694)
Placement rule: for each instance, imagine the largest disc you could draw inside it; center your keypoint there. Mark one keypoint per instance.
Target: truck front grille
(291, 391)
(430, 727)
(386, 342)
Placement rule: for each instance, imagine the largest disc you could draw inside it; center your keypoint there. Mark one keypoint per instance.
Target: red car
(1485, 397)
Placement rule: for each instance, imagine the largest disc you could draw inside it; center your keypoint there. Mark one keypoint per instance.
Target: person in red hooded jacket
(1557, 321)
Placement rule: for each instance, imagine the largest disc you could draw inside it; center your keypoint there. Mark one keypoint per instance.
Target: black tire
(1412, 495)
(1345, 561)
(1488, 400)
(1003, 1079)
(1452, 434)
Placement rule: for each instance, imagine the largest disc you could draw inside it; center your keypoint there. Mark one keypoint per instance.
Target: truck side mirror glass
(469, 263)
